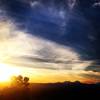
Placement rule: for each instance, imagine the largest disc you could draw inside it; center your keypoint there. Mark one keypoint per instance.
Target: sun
(7, 71)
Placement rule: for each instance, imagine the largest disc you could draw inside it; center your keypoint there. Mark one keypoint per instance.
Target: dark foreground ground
(56, 91)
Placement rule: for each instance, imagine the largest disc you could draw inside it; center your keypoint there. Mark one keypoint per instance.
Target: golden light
(7, 71)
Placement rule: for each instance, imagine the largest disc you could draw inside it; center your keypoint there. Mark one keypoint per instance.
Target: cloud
(49, 11)
(22, 49)
(96, 4)
(95, 66)
(71, 3)
(93, 76)
(35, 3)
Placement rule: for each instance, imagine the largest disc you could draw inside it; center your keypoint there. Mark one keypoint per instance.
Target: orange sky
(43, 75)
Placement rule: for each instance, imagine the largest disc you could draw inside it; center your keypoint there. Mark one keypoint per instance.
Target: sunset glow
(6, 72)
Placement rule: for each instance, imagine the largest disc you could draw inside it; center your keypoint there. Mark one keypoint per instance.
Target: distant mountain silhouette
(52, 91)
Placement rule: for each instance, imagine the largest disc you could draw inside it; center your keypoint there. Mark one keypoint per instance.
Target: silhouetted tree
(20, 80)
(26, 81)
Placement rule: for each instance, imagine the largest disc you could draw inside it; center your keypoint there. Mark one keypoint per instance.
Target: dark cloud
(95, 67)
(92, 76)
(46, 60)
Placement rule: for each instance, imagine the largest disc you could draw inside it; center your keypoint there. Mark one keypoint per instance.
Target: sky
(51, 40)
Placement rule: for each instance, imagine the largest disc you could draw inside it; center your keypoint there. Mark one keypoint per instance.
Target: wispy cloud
(71, 3)
(96, 4)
